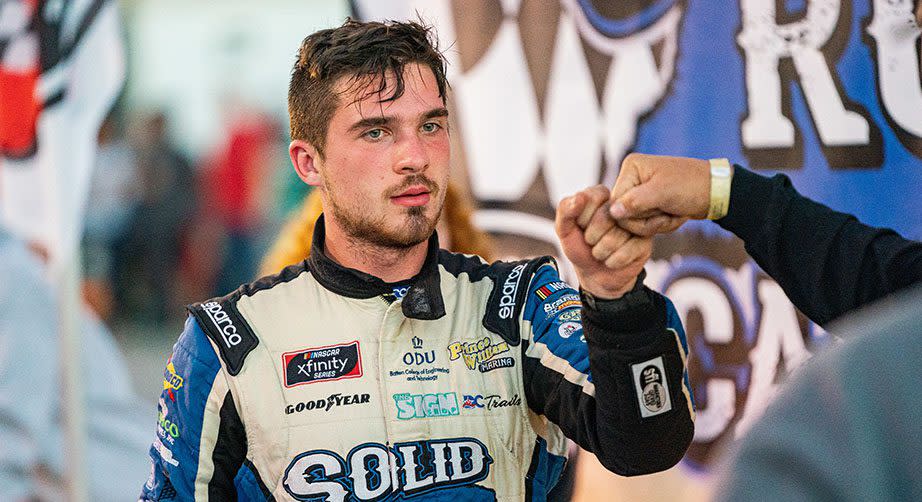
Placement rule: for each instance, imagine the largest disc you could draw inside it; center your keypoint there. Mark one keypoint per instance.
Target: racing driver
(385, 368)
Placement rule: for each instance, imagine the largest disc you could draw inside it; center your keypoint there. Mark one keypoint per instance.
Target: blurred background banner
(62, 65)
(549, 97)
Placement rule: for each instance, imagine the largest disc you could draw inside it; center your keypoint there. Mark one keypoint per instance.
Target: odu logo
(372, 471)
(418, 358)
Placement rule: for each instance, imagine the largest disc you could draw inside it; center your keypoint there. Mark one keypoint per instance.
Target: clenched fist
(657, 194)
(607, 258)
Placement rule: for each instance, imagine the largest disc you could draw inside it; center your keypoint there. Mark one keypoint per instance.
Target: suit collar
(423, 299)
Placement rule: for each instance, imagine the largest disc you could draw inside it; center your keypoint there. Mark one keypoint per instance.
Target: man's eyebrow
(386, 120)
(371, 122)
(436, 112)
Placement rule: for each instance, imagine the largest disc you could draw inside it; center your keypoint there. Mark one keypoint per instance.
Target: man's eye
(374, 134)
(431, 127)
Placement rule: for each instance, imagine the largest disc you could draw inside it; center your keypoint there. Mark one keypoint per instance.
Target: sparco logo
(329, 403)
(334, 362)
(372, 471)
(223, 322)
(507, 301)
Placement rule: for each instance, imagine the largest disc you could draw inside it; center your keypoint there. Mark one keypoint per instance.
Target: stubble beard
(362, 226)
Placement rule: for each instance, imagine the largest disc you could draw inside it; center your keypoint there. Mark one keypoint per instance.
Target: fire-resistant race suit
(325, 383)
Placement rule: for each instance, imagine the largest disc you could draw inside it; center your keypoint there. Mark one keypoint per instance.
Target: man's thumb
(638, 202)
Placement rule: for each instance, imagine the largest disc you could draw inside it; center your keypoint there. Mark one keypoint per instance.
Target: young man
(383, 367)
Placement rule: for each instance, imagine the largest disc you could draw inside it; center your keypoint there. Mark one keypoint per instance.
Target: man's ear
(305, 158)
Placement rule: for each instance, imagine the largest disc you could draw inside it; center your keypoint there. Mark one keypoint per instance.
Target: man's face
(385, 165)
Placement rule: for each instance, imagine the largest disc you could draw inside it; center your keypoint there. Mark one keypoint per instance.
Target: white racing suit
(325, 383)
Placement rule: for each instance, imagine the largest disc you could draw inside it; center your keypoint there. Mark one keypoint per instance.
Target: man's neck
(387, 264)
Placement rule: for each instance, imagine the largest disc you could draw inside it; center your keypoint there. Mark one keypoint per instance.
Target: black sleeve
(612, 375)
(638, 356)
(827, 262)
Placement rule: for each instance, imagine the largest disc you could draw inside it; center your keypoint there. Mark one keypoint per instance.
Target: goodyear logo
(476, 353)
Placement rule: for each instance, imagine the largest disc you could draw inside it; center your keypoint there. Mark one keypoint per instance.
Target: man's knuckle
(613, 262)
(597, 197)
(600, 251)
(630, 159)
(593, 236)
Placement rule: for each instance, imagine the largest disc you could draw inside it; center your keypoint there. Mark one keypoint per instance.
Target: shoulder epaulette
(222, 322)
(510, 289)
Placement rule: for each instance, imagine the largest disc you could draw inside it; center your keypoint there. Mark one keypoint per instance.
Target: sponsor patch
(652, 388)
(417, 364)
(166, 428)
(572, 315)
(472, 401)
(492, 364)
(373, 471)
(335, 362)
(228, 330)
(564, 302)
(568, 328)
(397, 293)
(332, 401)
(476, 353)
(165, 453)
(223, 322)
(411, 406)
(400, 291)
(510, 286)
(548, 289)
(171, 381)
(475, 401)
(419, 375)
(418, 357)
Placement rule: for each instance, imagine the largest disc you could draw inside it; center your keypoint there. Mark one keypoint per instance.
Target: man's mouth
(414, 196)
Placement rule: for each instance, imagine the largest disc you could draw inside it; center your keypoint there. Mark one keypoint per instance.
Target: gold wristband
(721, 177)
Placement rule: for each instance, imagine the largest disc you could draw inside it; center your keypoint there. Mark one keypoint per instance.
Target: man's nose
(411, 155)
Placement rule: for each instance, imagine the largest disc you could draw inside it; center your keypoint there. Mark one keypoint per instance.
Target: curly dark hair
(364, 51)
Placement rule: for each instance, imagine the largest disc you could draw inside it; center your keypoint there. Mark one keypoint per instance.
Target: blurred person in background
(113, 200)
(148, 258)
(846, 426)
(238, 196)
(32, 440)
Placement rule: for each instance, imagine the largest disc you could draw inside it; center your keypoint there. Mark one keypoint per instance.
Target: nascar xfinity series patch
(335, 362)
